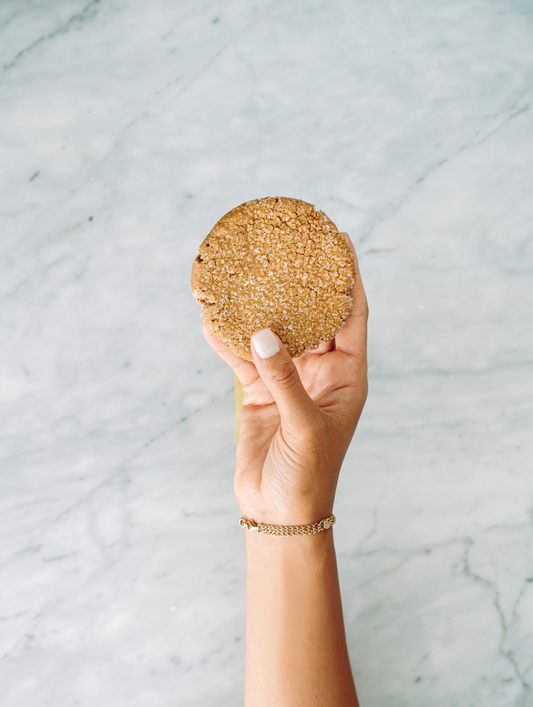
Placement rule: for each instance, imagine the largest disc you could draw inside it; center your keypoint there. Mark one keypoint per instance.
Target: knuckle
(285, 375)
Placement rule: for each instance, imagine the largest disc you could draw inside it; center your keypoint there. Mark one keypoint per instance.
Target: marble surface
(127, 129)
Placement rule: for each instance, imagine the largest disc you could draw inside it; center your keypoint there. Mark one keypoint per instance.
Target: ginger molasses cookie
(278, 263)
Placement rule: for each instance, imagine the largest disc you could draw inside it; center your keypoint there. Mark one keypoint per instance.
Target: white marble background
(127, 129)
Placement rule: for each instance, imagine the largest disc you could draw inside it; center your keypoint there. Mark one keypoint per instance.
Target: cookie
(278, 263)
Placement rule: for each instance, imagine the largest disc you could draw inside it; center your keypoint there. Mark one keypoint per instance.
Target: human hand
(298, 418)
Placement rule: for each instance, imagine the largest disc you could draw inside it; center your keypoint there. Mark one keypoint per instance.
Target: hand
(298, 418)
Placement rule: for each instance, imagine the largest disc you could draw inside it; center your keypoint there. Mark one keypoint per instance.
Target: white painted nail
(265, 343)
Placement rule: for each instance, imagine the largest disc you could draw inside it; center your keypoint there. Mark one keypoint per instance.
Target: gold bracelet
(286, 530)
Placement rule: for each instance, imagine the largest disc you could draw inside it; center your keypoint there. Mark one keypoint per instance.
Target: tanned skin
(297, 421)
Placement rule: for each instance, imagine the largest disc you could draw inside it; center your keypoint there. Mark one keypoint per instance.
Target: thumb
(278, 372)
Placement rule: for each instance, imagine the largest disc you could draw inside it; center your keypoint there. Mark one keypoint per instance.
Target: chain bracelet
(287, 530)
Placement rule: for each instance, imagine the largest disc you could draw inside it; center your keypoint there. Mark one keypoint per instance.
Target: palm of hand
(336, 382)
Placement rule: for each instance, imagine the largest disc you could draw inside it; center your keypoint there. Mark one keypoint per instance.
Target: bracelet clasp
(248, 524)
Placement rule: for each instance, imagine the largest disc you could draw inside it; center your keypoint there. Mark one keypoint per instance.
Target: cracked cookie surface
(275, 262)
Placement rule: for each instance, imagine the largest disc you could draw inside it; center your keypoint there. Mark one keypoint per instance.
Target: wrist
(260, 546)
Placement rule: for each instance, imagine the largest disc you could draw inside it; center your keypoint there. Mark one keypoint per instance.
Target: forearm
(295, 643)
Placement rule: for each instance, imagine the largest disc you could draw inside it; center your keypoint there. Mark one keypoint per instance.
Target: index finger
(353, 335)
